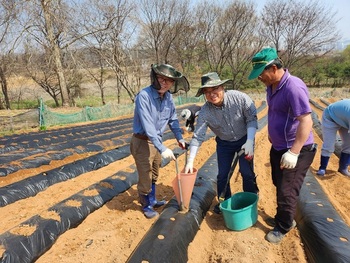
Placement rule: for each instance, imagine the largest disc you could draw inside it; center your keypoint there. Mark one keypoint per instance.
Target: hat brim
(256, 72)
(228, 83)
(180, 84)
(173, 74)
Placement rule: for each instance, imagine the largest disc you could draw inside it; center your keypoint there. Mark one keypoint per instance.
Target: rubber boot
(152, 198)
(344, 162)
(146, 206)
(324, 162)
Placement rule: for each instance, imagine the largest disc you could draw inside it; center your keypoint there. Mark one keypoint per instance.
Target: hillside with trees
(60, 49)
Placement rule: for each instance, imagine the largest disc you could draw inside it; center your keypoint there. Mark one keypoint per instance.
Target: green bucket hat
(181, 82)
(262, 59)
(211, 80)
(167, 71)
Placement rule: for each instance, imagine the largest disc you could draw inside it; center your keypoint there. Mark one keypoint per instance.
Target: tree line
(57, 43)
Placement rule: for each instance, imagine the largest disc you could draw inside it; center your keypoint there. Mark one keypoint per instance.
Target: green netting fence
(47, 117)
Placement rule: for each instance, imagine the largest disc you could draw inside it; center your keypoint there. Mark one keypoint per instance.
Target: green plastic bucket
(240, 211)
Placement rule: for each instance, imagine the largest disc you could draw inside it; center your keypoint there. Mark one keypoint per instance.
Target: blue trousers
(225, 151)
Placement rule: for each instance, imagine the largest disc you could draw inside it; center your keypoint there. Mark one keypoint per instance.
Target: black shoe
(271, 222)
(217, 209)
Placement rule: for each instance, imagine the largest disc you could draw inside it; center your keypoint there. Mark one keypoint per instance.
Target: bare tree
(118, 49)
(49, 9)
(43, 73)
(47, 23)
(207, 14)
(8, 41)
(239, 22)
(186, 47)
(299, 29)
(56, 26)
(92, 57)
(162, 22)
(112, 32)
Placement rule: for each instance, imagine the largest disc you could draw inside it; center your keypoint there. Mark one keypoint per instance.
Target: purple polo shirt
(290, 100)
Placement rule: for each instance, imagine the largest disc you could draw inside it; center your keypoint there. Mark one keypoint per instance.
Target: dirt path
(111, 233)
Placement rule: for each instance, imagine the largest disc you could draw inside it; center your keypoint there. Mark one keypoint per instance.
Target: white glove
(190, 159)
(248, 148)
(189, 167)
(289, 160)
(168, 154)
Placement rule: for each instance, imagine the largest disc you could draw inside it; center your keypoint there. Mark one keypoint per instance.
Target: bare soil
(111, 233)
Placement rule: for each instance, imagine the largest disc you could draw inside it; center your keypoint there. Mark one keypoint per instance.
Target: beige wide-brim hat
(211, 80)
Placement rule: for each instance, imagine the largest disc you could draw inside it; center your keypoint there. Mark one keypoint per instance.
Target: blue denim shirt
(153, 114)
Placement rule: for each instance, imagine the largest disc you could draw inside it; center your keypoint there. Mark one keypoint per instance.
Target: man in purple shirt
(154, 112)
(290, 133)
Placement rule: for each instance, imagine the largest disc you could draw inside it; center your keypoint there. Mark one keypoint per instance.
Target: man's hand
(248, 149)
(168, 154)
(289, 160)
(182, 144)
(189, 167)
(189, 164)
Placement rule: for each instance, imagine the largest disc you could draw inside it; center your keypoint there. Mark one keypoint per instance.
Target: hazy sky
(342, 7)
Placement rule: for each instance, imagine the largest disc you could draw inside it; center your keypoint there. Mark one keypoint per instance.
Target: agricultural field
(69, 195)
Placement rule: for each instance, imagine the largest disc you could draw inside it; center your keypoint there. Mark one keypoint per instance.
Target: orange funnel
(186, 182)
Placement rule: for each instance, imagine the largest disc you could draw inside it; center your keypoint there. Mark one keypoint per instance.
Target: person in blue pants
(231, 115)
(336, 118)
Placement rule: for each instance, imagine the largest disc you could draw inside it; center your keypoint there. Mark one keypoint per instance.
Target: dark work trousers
(225, 151)
(288, 183)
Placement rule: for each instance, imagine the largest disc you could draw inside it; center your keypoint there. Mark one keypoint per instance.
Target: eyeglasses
(165, 80)
(266, 69)
(212, 90)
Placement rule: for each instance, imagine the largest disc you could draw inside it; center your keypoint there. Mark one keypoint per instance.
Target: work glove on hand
(289, 160)
(190, 159)
(168, 154)
(189, 166)
(182, 144)
(248, 149)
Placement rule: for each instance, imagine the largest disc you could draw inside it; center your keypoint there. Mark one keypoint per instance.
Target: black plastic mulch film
(173, 231)
(325, 235)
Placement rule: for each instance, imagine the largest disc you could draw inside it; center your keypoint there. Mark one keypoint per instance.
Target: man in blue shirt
(154, 112)
(336, 118)
(290, 133)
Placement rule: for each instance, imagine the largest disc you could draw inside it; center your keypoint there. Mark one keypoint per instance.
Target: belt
(140, 136)
(310, 147)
